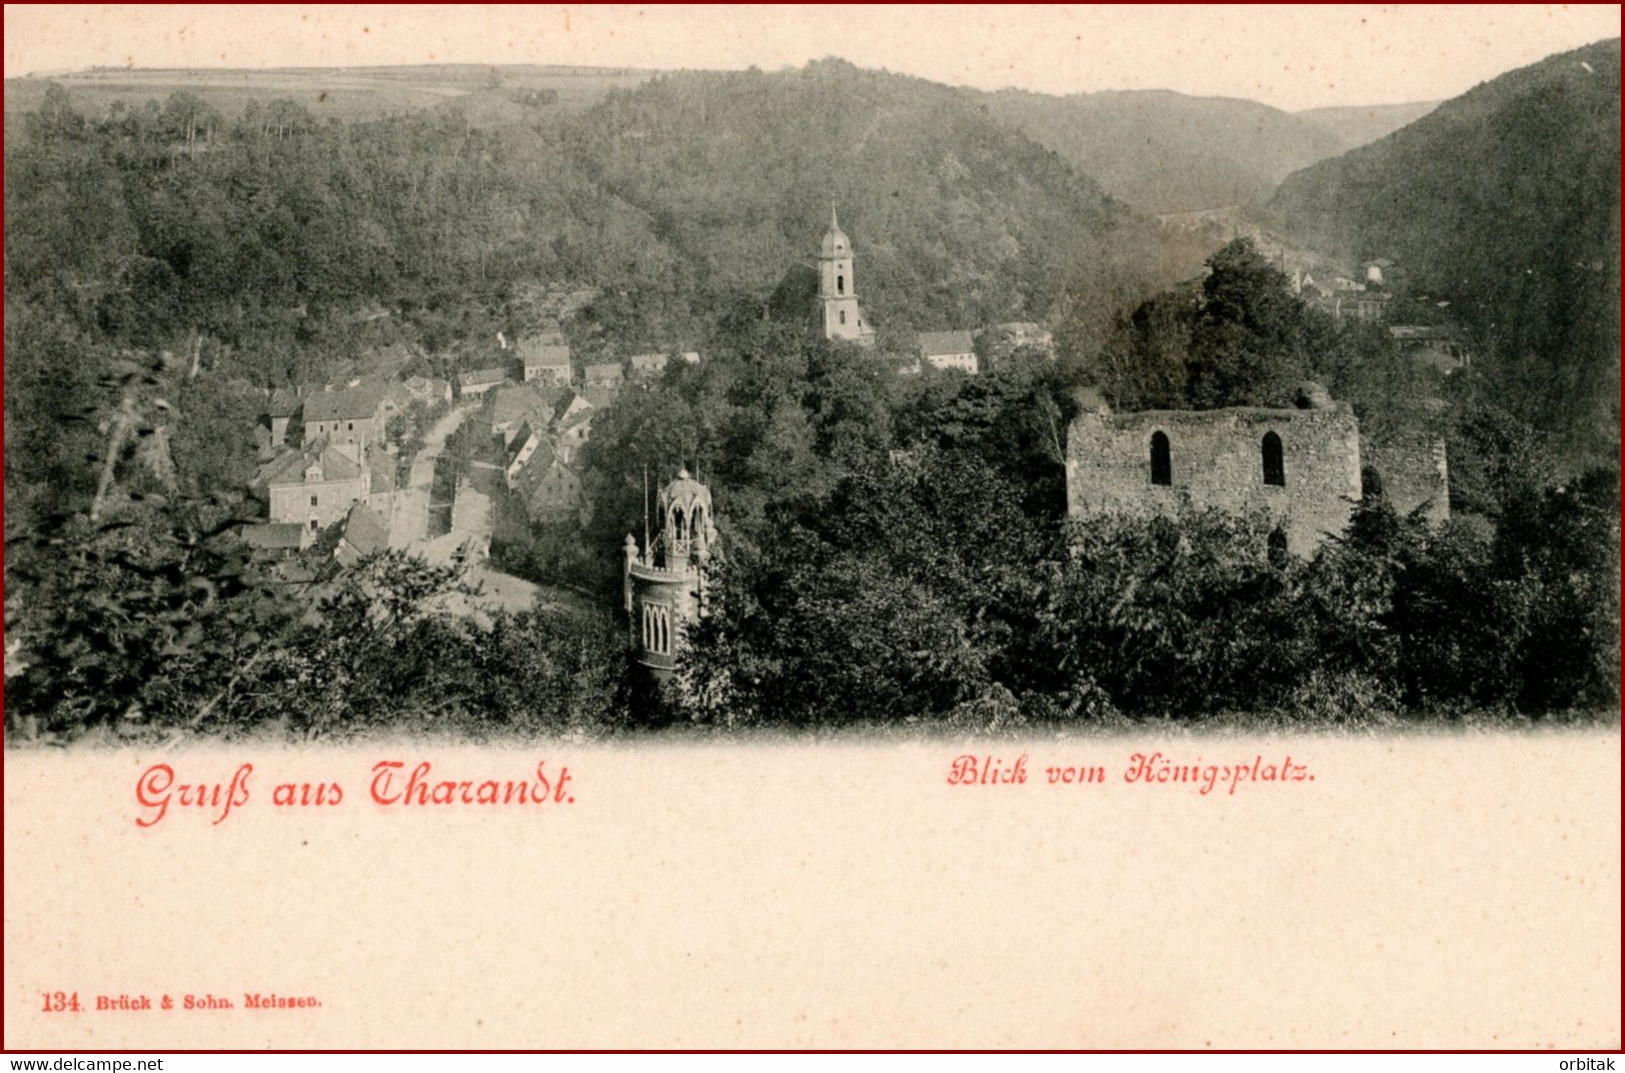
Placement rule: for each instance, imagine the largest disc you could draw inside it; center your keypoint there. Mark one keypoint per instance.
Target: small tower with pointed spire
(664, 585)
(841, 315)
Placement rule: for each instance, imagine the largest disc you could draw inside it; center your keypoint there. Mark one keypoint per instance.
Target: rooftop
(273, 536)
(544, 352)
(284, 402)
(835, 242)
(476, 377)
(936, 343)
(518, 402)
(290, 468)
(365, 531)
(347, 403)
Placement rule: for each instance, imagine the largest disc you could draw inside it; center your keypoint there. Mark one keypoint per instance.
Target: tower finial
(834, 225)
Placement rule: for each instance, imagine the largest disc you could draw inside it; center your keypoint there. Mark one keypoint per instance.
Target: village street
(472, 521)
(410, 524)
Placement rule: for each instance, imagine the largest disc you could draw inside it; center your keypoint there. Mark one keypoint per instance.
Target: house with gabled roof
(479, 381)
(284, 409)
(512, 405)
(572, 423)
(546, 358)
(354, 416)
(316, 485)
(364, 533)
(549, 486)
(604, 375)
(648, 364)
(948, 350)
(524, 445)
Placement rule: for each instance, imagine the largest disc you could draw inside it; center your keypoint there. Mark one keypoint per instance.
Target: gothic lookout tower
(664, 586)
(839, 311)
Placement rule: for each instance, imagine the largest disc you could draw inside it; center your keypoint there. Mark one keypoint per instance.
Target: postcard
(812, 527)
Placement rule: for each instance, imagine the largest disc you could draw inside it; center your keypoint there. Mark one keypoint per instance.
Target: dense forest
(896, 550)
(269, 249)
(1166, 152)
(1503, 206)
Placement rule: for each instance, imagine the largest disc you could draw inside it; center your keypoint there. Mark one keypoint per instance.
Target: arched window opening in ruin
(1274, 462)
(1277, 547)
(1162, 465)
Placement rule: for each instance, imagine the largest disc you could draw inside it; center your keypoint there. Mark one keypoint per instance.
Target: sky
(1292, 57)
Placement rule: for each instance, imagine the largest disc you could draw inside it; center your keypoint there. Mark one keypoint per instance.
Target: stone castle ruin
(1300, 466)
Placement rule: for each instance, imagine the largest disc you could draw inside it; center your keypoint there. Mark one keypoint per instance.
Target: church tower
(664, 585)
(837, 293)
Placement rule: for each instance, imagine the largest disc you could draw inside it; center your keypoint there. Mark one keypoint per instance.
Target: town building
(572, 423)
(999, 342)
(550, 487)
(1367, 307)
(521, 449)
(512, 405)
(948, 350)
(316, 485)
(479, 381)
(840, 315)
(648, 364)
(541, 459)
(604, 376)
(1300, 467)
(546, 358)
(1345, 299)
(352, 417)
(364, 533)
(285, 411)
(664, 585)
(1374, 271)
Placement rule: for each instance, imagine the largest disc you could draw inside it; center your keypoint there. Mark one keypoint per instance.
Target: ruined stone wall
(1414, 474)
(1217, 462)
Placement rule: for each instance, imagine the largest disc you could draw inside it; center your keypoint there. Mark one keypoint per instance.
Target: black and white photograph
(680, 382)
(518, 399)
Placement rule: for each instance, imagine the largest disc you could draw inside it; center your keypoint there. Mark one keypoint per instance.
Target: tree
(56, 120)
(905, 592)
(1249, 338)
